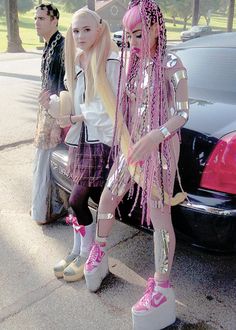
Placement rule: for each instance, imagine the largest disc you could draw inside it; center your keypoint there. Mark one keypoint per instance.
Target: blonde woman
(91, 60)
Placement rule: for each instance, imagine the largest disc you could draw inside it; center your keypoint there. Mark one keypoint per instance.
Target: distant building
(112, 11)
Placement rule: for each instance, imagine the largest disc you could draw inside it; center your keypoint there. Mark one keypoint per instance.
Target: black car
(207, 162)
(208, 152)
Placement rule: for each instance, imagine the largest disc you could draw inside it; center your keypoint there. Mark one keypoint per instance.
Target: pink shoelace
(95, 257)
(151, 298)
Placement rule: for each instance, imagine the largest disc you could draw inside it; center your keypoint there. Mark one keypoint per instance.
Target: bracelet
(73, 123)
(165, 132)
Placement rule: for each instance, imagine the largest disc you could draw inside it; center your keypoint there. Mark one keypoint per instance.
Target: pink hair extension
(132, 18)
(146, 81)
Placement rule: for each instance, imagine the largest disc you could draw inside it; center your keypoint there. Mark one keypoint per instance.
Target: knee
(73, 202)
(108, 202)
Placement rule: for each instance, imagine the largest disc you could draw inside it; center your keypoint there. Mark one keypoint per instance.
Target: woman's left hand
(68, 120)
(144, 147)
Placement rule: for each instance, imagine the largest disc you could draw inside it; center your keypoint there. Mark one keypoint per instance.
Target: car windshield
(195, 29)
(211, 69)
(118, 34)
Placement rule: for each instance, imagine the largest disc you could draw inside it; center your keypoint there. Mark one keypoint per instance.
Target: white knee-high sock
(77, 242)
(87, 240)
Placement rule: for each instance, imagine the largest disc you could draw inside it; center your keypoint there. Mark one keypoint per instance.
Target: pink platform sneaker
(156, 309)
(96, 267)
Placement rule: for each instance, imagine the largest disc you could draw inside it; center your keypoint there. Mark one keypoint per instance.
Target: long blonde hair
(98, 55)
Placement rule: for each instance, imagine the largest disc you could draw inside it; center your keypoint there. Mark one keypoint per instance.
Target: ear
(154, 29)
(55, 22)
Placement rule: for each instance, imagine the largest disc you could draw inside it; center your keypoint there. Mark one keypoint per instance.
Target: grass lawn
(30, 40)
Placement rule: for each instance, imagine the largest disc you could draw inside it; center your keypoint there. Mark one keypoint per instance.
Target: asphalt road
(31, 297)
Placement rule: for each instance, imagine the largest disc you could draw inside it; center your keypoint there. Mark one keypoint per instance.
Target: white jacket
(98, 126)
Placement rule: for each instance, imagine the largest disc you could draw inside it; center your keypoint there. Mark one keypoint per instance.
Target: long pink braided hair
(145, 81)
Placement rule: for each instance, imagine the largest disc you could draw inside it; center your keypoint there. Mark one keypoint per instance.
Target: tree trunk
(185, 23)
(196, 5)
(40, 38)
(174, 21)
(14, 41)
(91, 4)
(230, 15)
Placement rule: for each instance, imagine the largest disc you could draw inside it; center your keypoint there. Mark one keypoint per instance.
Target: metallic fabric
(182, 114)
(118, 181)
(182, 105)
(154, 204)
(102, 217)
(177, 76)
(165, 132)
(171, 60)
(105, 216)
(161, 250)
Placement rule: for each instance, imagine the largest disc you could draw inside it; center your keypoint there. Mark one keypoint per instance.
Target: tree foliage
(177, 8)
(71, 6)
(23, 6)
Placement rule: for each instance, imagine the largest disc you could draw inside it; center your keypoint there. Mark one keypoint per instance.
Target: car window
(195, 29)
(211, 68)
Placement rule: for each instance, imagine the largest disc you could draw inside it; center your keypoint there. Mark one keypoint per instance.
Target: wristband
(165, 132)
(73, 123)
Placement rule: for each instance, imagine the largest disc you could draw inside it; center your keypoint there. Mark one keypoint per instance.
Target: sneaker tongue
(163, 284)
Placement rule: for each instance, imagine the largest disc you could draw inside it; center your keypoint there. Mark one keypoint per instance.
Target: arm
(143, 148)
(178, 79)
(68, 120)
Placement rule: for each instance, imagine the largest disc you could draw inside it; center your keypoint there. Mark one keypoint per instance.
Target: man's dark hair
(52, 11)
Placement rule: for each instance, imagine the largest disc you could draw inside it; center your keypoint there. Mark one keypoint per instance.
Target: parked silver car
(195, 32)
(117, 37)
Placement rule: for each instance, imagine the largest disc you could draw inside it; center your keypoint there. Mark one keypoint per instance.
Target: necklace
(46, 61)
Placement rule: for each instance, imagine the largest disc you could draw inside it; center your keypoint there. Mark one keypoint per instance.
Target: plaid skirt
(89, 164)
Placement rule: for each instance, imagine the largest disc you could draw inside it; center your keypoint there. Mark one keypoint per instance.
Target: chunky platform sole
(61, 266)
(157, 318)
(94, 279)
(58, 274)
(77, 273)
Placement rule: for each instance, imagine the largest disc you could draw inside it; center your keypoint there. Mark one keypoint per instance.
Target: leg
(164, 235)
(81, 244)
(156, 309)
(96, 267)
(164, 243)
(118, 184)
(82, 240)
(41, 182)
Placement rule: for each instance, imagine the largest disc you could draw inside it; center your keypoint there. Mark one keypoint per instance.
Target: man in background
(46, 204)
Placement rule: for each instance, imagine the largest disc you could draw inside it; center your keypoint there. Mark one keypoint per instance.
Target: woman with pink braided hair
(152, 106)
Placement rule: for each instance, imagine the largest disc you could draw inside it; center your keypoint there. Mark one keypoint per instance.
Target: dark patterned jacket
(48, 133)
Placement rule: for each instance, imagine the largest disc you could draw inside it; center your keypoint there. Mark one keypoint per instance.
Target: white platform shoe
(156, 309)
(96, 267)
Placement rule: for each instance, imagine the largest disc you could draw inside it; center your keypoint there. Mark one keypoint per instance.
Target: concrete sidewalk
(33, 299)
(4, 56)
